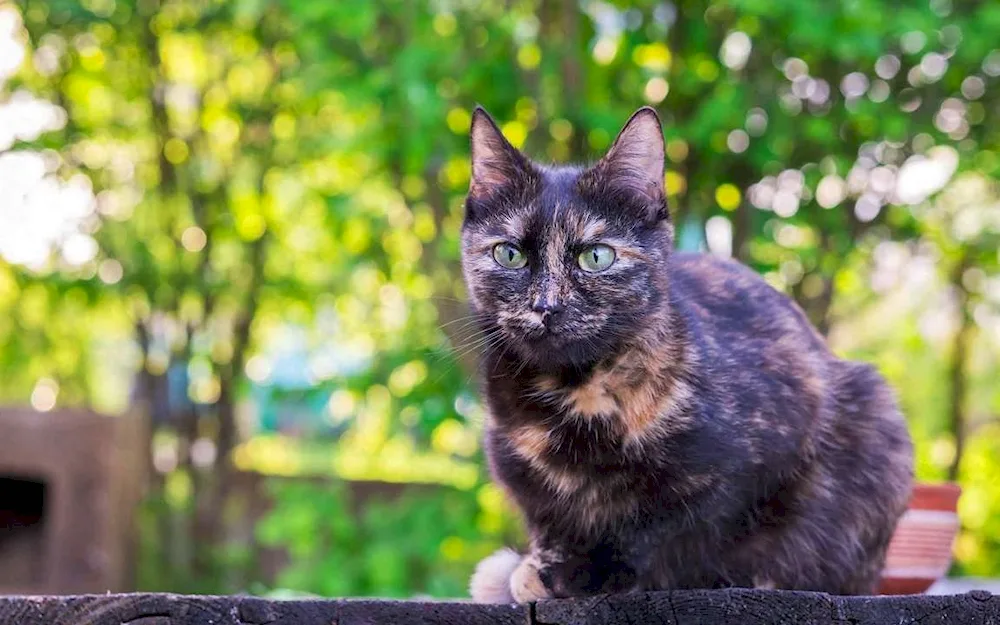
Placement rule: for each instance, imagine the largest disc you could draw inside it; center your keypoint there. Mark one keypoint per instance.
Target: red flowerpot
(920, 552)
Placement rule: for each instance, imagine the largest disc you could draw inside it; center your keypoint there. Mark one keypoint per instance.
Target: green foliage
(419, 542)
(164, 553)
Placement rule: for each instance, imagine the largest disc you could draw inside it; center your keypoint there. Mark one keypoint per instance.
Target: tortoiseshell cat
(662, 420)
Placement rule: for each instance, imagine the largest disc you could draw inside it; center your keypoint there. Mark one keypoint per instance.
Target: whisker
(491, 337)
(457, 355)
(466, 318)
(459, 350)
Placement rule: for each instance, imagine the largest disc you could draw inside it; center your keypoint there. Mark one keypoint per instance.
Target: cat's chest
(589, 437)
(593, 419)
(573, 473)
(571, 455)
(586, 447)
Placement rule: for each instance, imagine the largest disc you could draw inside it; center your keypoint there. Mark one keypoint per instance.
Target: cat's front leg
(509, 577)
(546, 574)
(541, 574)
(560, 566)
(592, 573)
(552, 571)
(526, 584)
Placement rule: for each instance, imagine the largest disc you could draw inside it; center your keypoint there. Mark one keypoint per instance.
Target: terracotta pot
(920, 552)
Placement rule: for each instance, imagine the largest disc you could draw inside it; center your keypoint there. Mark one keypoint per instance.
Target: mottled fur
(671, 421)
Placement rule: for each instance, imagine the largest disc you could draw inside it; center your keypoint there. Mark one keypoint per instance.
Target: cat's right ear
(496, 164)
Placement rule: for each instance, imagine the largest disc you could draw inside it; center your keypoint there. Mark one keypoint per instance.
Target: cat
(662, 420)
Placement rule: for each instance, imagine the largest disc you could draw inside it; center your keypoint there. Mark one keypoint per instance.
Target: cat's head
(564, 263)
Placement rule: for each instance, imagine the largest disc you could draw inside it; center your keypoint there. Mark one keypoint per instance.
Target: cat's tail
(490, 582)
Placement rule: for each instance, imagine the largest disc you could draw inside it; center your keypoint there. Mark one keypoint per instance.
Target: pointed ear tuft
(634, 162)
(495, 162)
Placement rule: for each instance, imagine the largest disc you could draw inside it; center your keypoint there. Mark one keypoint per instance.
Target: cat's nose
(549, 307)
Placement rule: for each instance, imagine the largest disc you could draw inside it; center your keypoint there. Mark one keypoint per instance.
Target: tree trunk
(574, 78)
(957, 374)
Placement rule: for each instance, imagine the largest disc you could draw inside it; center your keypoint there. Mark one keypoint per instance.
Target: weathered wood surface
(719, 607)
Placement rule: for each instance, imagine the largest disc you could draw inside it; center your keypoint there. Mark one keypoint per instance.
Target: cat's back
(725, 301)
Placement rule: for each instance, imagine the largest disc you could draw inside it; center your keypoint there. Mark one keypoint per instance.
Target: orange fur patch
(652, 404)
(593, 398)
(531, 442)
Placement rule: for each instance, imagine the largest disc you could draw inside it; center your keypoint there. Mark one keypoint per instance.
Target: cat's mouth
(533, 340)
(530, 328)
(555, 343)
(553, 346)
(544, 344)
(539, 333)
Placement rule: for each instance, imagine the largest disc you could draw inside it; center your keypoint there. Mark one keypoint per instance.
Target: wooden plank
(760, 607)
(166, 609)
(709, 607)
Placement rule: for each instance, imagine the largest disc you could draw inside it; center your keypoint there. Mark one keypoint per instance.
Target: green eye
(596, 258)
(509, 256)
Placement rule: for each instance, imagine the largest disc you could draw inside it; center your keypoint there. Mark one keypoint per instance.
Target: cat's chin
(553, 352)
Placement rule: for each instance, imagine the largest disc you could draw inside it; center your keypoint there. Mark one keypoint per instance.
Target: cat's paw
(491, 581)
(526, 584)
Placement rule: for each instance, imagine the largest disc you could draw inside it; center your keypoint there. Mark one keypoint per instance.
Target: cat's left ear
(635, 161)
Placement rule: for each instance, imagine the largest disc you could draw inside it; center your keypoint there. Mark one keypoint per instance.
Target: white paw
(525, 584)
(491, 582)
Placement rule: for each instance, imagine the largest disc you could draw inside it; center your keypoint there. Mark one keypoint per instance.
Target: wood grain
(709, 607)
